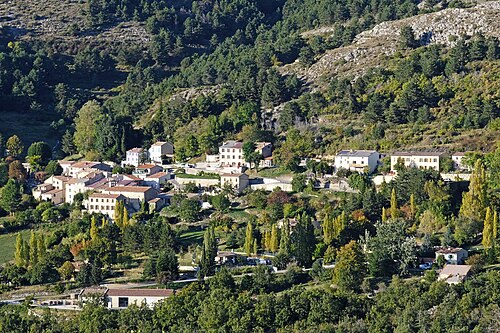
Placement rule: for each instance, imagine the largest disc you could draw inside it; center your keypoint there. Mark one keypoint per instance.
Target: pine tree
(248, 239)
(474, 201)
(93, 229)
(394, 205)
(285, 243)
(274, 239)
(33, 252)
(18, 254)
(488, 237)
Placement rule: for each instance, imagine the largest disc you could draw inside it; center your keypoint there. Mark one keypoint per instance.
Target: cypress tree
(327, 229)
(248, 239)
(255, 246)
(304, 241)
(384, 215)
(394, 205)
(208, 253)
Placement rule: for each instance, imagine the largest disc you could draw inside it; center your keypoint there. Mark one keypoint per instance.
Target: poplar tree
(274, 239)
(413, 207)
(495, 225)
(93, 229)
(18, 254)
(126, 219)
(119, 213)
(42, 249)
(327, 229)
(339, 224)
(285, 243)
(394, 205)
(248, 239)
(488, 233)
(474, 201)
(33, 251)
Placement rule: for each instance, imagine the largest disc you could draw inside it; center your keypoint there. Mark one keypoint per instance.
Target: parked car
(426, 265)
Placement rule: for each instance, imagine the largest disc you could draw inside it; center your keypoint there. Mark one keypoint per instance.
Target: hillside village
(100, 189)
(249, 166)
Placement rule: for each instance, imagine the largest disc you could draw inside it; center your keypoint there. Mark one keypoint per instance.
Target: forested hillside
(136, 58)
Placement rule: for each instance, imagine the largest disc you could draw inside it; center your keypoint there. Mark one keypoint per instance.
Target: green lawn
(191, 237)
(239, 214)
(273, 172)
(8, 245)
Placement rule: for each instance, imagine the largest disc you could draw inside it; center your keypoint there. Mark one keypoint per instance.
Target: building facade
(238, 181)
(135, 156)
(421, 160)
(357, 160)
(159, 149)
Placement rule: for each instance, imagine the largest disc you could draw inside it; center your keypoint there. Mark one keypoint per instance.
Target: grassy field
(191, 237)
(8, 245)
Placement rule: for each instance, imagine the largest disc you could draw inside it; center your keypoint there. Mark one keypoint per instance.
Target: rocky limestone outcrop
(371, 47)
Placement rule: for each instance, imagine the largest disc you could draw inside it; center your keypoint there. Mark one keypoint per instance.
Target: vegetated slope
(371, 48)
(64, 21)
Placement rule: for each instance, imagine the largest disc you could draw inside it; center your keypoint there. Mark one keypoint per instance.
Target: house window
(435, 160)
(122, 302)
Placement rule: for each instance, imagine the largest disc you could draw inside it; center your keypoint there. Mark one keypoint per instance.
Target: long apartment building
(421, 160)
(231, 153)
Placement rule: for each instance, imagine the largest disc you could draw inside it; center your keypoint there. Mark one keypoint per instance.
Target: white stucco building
(452, 255)
(421, 160)
(159, 149)
(239, 181)
(357, 160)
(135, 156)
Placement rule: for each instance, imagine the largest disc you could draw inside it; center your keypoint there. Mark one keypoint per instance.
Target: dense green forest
(251, 305)
(238, 48)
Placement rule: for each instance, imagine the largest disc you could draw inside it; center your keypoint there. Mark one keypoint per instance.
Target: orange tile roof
(136, 189)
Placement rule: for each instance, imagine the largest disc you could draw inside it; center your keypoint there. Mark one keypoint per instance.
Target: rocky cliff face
(52, 20)
(371, 47)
